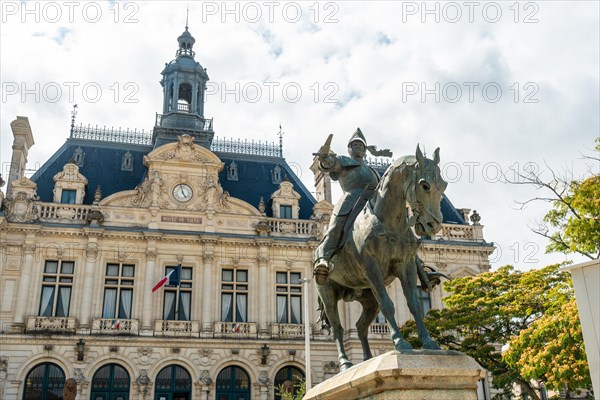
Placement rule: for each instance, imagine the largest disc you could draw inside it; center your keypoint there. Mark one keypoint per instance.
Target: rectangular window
(118, 291)
(234, 295)
(68, 196)
(57, 282)
(178, 307)
(424, 300)
(289, 297)
(285, 212)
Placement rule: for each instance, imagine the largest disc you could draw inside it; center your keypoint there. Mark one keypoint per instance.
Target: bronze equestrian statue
(380, 246)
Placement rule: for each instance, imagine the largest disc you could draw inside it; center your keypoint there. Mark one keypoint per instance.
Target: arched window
(288, 378)
(44, 382)
(173, 382)
(233, 383)
(110, 382)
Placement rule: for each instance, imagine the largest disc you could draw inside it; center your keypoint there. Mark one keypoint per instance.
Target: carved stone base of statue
(407, 375)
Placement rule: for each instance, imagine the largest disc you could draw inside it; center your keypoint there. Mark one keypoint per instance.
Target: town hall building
(85, 240)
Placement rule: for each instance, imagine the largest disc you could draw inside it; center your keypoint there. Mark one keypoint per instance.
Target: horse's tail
(325, 325)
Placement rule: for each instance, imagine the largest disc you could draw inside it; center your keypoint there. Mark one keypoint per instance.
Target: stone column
(147, 287)
(175, 100)
(166, 96)
(194, 105)
(91, 256)
(263, 295)
(207, 288)
(25, 282)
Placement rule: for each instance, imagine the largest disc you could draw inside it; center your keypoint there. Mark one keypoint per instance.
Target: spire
(187, 16)
(186, 40)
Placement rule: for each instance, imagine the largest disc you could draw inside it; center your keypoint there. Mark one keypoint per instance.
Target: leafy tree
(296, 394)
(551, 350)
(489, 310)
(573, 223)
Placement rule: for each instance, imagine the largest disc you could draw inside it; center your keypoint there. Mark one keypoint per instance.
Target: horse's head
(425, 194)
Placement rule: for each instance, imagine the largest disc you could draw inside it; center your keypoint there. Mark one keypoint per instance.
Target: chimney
(22, 142)
(322, 182)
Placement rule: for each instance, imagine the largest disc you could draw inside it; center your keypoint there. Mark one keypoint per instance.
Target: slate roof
(101, 165)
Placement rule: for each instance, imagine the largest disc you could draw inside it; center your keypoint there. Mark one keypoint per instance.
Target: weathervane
(73, 115)
(280, 134)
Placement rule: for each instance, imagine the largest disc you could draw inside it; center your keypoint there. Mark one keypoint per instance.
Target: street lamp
(80, 349)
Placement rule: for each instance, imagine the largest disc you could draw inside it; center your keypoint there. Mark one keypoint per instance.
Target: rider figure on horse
(358, 182)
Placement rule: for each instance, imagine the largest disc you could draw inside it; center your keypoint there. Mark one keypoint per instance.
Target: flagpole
(178, 292)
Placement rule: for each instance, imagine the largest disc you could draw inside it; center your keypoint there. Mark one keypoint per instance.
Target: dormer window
(78, 156)
(276, 174)
(68, 196)
(127, 162)
(285, 212)
(232, 172)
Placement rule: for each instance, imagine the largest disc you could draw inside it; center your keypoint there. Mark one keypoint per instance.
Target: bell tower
(184, 84)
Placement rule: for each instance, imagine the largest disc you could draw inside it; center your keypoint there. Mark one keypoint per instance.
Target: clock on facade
(182, 192)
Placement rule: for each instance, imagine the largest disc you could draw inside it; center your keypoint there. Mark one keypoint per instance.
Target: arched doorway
(44, 382)
(111, 382)
(233, 383)
(173, 383)
(289, 378)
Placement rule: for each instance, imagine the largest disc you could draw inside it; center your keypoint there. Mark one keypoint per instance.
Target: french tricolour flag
(173, 280)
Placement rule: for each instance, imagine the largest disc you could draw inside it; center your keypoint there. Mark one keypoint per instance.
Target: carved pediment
(70, 174)
(183, 151)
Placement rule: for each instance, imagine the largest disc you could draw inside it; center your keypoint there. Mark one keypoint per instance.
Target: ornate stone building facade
(86, 238)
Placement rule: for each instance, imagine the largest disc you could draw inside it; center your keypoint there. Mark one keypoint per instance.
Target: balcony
(292, 227)
(379, 331)
(235, 330)
(287, 331)
(54, 212)
(109, 326)
(66, 325)
(176, 328)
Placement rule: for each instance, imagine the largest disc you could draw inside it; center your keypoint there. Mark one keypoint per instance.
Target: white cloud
(364, 60)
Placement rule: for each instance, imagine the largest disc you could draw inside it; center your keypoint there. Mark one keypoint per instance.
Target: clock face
(182, 192)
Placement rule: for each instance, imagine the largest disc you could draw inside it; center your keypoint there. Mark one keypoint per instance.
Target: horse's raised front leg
(408, 278)
(370, 308)
(373, 272)
(330, 300)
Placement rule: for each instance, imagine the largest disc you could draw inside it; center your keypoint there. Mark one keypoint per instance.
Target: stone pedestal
(410, 375)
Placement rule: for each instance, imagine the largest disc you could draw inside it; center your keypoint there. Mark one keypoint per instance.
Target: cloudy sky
(498, 86)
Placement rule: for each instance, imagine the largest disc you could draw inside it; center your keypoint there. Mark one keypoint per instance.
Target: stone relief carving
(263, 379)
(79, 377)
(21, 208)
(205, 378)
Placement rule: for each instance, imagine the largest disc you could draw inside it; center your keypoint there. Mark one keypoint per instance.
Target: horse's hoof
(431, 345)
(402, 345)
(344, 366)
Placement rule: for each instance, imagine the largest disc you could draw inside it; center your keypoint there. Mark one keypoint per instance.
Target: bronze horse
(380, 247)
